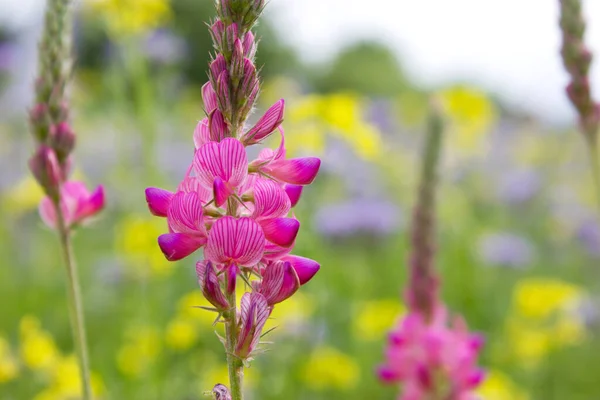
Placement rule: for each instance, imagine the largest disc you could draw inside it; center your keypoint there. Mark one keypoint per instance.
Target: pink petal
(232, 272)
(185, 214)
(47, 212)
(201, 133)
(209, 283)
(226, 160)
(192, 184)
(281, 231)
(158, 201)
(91, 205)
(238, 241)
(270, 200)
(266, 124)
(279, 282)
(254, 312)
(217, 66)
(176, 246)
(209, 97)
(217, 126)
(305, 267)
(294, 192)
(297, 171)
(275, 252)
(220, 191)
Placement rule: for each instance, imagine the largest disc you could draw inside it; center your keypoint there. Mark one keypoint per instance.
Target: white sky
(507, 46)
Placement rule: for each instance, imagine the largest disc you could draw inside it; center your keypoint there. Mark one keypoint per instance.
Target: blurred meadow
(519, 243)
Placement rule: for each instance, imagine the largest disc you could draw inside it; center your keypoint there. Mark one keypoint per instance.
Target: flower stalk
(67, 203)
(238, 210)
(577, 59)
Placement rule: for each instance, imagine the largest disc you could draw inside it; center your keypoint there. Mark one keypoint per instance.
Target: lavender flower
(519, 186)
(588, 234)
(506, 250)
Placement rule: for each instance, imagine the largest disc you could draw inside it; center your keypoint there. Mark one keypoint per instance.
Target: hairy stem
(75, 304)
(234, 364)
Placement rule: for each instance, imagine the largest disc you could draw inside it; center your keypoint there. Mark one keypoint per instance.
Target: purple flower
(164, 47)
(519, 186)
(357, 216)
(588, 234)
(506, 249)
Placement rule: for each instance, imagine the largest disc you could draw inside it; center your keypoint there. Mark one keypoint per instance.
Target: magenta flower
(238, 241)
(433, 358)
(77, 204)
(254, 312)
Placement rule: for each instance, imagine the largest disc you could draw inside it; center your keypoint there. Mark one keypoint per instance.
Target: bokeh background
(519, 243)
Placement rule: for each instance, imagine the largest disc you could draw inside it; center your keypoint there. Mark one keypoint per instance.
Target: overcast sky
(507, 46)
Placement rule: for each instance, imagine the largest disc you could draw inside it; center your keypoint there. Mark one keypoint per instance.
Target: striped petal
(158, 201)
(279, 282)
(201, 133)
(185, 214)
(235, 241)
(270, 200)
(254, 312)
(266, 124)
(226, 160)
(176, 246)
(209, 283)
(209, 97)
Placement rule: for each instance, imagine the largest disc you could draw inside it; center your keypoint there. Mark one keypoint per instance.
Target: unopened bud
(217, 31)
(254, 312)
(223, 94)
(221, 392)
(45, 168)
(62, 140)
(237, 61)
(210, 285)
(249, 45)
(217, 66)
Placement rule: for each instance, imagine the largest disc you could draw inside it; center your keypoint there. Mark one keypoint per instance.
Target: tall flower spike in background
(432, 357)
(67, 203)
(238, 211)
(577, 59)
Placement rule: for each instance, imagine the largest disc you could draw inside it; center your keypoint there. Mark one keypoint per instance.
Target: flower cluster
(51, 163)
(433, 360)
(430, 357)
(238, 210)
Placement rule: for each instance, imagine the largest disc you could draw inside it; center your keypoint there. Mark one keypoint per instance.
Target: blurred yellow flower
(471, 114)
(38, 349)
(220, 374)
(66, 382)
(142, 347)
(529, 345)
(498, 386)
(136, 238)
(329, 368)
(23, 197)
(305, 139)
(375, 318)
(341, 110)
(181, 334)
(539, 298)
(9, 369)
(187, 307)
(128, 17)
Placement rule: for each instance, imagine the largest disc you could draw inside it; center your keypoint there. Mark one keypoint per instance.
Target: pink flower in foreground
(76, 202)
(433, 358)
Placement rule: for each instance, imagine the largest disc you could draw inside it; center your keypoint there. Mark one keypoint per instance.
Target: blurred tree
(366, 67)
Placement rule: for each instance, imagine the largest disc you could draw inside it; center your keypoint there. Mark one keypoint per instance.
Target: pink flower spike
(76, 202)
(279, 282)
(305, 267)
(226, 160)
(281, 231)
(266, 124)
(294, 192)
(217, 126)
(217, 66)
(209, 97)
(176, 246)
(235, 241)
(201, 133)
(297, 171)
(254, 312)
(158, 201)
(209, 283)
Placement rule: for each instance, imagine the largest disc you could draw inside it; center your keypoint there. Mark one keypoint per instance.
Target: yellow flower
(181, 334)
(330, 368)
(141, 349)
(529, 345)
(220, 374)
(23, 197)
(38, 349)
(568, 330)
(127, 17)
(342, 111)
(539, 298)
(471, 114)
(498, 386)
(305, 139)
(295, 310)
(135, 238)
(9, 369)
(66, 382)
(374, 318)
(188, 308)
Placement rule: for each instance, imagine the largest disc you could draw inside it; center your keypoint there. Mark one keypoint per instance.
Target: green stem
(234, 364)
(595, 166)
(75, 304)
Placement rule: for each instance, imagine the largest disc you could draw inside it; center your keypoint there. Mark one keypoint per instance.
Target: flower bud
(221, 392)
(217, 66)
(266, 124)
(210, 285)
(231, 35)
(254, 312)
(249, 45)
(217, 32)
(217, 126)
(279, 282)
(62, 140)
(46, 170)
(223, 94)
(237, 61)
(209, 97)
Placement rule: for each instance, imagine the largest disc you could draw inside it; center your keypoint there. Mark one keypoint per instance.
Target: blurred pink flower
(76, 202)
